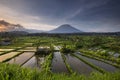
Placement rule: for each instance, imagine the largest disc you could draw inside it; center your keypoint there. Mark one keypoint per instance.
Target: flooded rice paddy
(6, 56)
(78, 66)
(100, 64)
(35, 62)
(29, 59)
(5, 50)
(57, 63)
(21, 59)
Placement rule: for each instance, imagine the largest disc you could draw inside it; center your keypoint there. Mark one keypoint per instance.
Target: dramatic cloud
(86, 15)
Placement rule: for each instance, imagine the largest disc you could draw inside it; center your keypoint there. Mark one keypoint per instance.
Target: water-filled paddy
(100, 64)
(78, 66)
(21, 59)
(35, 62)
(1, 52)
(29, 59)
(6, 49)
(8, 55)
(57, 63)
(32, 49)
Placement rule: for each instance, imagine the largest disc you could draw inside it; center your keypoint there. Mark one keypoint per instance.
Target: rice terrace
(51, 57)
(59, 39)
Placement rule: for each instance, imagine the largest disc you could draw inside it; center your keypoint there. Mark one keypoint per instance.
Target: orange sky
(2, 28)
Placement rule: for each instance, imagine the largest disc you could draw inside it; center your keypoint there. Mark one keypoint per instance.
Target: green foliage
(67, 49)
(46, 66)
(14, 72)
(100, 45)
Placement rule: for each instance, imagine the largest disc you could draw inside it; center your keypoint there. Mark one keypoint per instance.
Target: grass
(15, 72)
(46, 66)
(90, 64)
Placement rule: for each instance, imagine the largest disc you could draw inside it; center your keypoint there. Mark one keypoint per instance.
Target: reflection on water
(58, 64)
(8, 55)
(6, 49)
(101, 64)
(35, 62)
(21, 59)
(78, 66)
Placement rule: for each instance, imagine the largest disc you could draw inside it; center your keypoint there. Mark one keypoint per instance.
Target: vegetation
(46, 66)
(14, 72)
(67, 49)
(96, 47)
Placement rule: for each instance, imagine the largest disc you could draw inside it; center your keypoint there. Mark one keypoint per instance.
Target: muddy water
(100, 64)
(58, 65)
(8, 55)
(35, 62)
(78, 66)
(21, 59)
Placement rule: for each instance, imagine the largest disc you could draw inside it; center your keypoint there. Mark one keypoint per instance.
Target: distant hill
(66, 28)
(8, 27)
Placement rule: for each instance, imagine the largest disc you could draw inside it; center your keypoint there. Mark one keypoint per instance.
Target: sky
(85, 15)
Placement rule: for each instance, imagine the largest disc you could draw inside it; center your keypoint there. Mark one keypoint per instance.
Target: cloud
(88, 15)
(28, 21)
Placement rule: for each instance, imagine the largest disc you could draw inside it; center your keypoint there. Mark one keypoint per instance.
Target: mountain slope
(8, 27)
(66, 28)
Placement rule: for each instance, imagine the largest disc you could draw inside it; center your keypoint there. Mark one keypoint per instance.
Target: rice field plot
(7, 56)
(78, 65)
(6, 50)
(35, 62)
(1, 52)
(28, 49)
(100, 64)
(58, 65)
(21, 59)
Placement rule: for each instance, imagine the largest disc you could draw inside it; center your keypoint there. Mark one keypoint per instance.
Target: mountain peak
(6, 26)
(65, 28)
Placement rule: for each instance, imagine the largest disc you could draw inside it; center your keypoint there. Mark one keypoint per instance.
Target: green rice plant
(15, 72)
(46, 66)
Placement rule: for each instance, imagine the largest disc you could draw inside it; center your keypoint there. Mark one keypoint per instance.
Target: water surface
(35, 62)
(78, 66)
(100, 64)
(21, 59)
(8, 55)
(58, 65)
